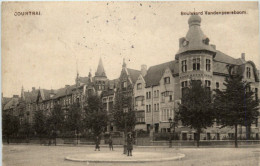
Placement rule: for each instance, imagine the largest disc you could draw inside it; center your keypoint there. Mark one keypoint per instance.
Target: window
(248, 72)
(184, 87)
(166, 80)
(124, 84)
(170, 98)
(196, 64)
(148, 95)
(157, 106)
(207, 64)
(110, 98)
(217, 85)
(139, 86)
(154, 107)
(207, 84)
(166, 114)
(184, 66)
(148, 108)
(163, 97)
(156, 93)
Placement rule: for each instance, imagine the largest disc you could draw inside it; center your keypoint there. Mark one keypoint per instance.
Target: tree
(26, 128)
(55, 121)
(95, 117)
(40, 123)
(123, 114)
(235, 105)
(10, 125)
(73, 121)
(195, 110)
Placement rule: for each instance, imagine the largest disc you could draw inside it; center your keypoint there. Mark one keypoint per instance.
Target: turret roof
(195, 39)
(100, 69)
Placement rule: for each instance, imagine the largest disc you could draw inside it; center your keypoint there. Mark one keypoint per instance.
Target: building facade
(154, 92)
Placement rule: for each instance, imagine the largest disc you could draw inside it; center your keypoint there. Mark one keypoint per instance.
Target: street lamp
(125, 144)
(172, 125)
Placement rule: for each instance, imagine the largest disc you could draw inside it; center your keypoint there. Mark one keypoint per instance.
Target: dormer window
(167, 80)
(248, 72)
(206, 41)
(124, 84)
(139, 86)
(196, 64)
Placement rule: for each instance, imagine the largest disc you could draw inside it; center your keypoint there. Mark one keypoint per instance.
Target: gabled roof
(222, 57)
(64, 91)
(31, 97)
(5, 100)
(46, 94)
(113, 83)
(13, 102)
(155, 73)
(134, 74)
(84, 80)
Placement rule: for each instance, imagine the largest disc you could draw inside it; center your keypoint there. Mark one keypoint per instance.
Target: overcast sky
(42, 51)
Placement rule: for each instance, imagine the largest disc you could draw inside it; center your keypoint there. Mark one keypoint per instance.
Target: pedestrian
(110, 142)
(97, 144)
(129, 145)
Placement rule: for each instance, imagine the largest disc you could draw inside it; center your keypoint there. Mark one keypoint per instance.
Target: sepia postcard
(130, 83)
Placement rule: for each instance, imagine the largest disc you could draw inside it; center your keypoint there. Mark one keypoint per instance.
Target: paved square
(36, 155)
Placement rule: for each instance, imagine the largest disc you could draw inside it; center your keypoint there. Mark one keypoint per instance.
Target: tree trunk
(236, 136)
(198, 137)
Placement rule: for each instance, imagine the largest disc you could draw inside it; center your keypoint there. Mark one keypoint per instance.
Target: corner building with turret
(158, 90)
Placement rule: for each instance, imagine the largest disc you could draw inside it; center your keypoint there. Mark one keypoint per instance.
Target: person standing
(97, 142)
(110, 142)
(129, 145)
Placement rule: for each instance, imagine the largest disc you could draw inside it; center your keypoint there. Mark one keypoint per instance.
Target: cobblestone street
(36, 155)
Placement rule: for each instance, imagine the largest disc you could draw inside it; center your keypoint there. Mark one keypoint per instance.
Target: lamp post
(125, 112)
(172, 125)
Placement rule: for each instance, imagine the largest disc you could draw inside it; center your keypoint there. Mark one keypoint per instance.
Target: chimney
(143, 70)
(33, 88)
(243, 56)
(213, 46)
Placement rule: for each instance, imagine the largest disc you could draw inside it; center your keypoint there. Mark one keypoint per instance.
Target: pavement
(37, 155)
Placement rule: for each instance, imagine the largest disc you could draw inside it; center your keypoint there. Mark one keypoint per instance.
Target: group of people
(129, 141)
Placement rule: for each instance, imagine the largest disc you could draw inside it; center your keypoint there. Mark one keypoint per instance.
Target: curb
(178, 157)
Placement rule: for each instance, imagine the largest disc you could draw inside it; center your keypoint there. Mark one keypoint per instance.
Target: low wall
(205, 143)
(139, 142)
